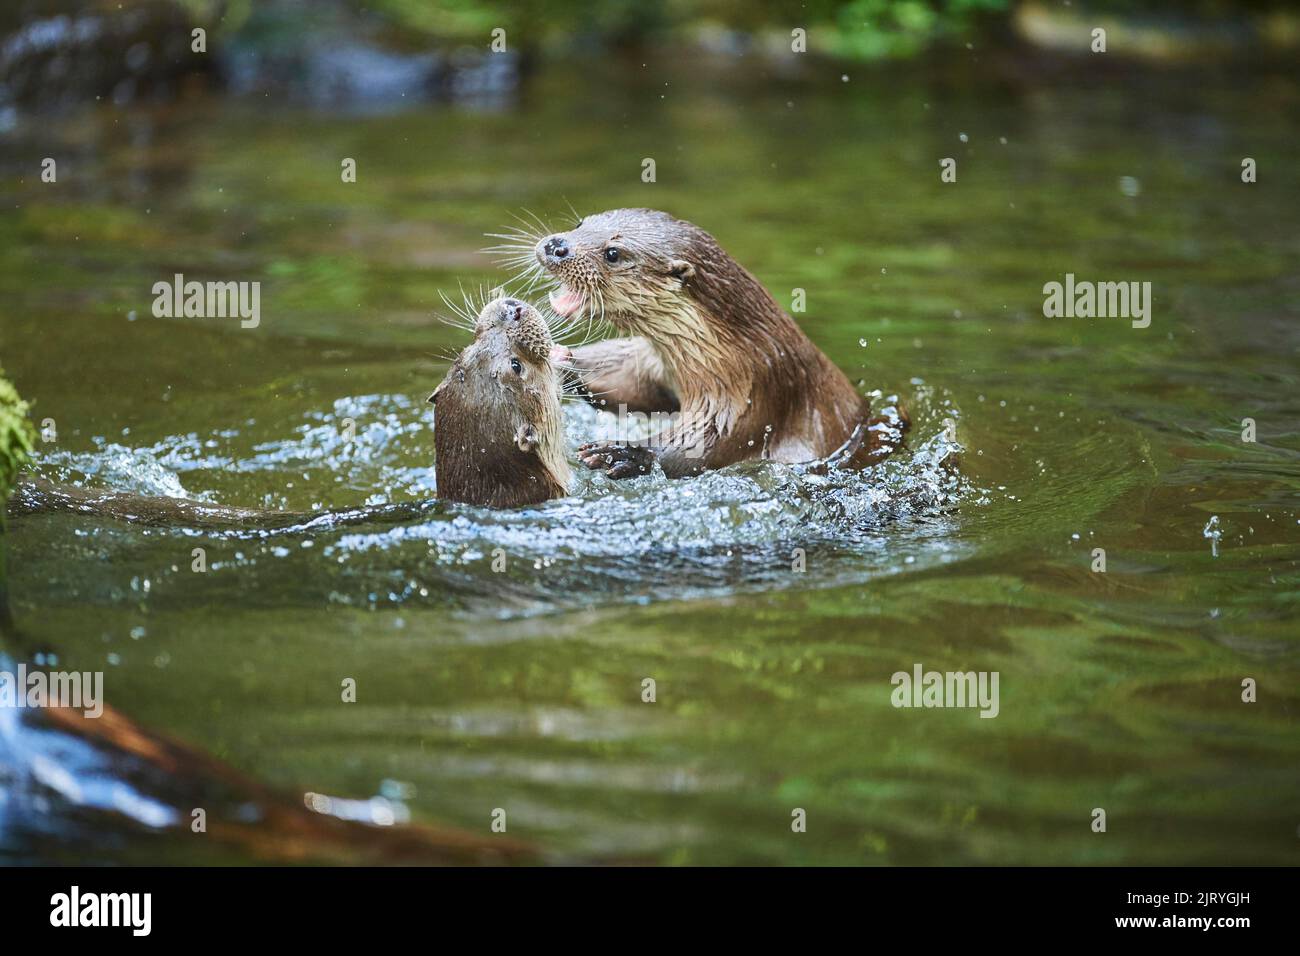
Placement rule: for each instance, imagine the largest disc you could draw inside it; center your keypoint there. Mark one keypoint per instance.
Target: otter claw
(617, 461)
(627, 469)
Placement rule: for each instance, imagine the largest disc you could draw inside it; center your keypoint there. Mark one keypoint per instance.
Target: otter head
(626, 265)
(497, 435)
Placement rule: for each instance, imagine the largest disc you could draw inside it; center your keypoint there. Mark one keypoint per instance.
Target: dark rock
(142, 48)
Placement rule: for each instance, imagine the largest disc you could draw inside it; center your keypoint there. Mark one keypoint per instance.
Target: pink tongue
(565, 301)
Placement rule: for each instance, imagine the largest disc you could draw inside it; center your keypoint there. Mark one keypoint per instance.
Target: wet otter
(498, 441)
(498, 438)
(709, 339)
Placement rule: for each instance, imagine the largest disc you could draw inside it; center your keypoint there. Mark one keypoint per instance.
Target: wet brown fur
(498, 441)
(498, 435)
(749, 383)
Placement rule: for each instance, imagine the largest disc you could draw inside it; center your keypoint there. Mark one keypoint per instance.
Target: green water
(522, 690)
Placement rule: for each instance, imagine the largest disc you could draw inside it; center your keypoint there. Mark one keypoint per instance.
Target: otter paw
(617, 461)
(526, 438)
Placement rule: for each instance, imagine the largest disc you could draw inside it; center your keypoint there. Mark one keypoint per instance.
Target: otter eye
(611, 255)
(515, 367)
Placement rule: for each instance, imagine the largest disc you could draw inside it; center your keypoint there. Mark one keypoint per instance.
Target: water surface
(522, 689)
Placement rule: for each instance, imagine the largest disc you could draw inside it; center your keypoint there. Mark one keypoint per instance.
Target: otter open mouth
(566, 302)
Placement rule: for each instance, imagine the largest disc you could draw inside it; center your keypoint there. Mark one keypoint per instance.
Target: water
(522, 689)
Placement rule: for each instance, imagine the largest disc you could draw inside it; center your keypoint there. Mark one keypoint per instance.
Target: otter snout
(513, 309)
(553, 249)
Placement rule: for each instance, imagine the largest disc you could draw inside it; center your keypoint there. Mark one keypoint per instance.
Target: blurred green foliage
(855, 29)
(529, 22)
(873, 29)
(17, 437)
(859, 28)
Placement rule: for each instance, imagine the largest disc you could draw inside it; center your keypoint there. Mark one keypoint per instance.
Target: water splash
(1211, 531)
(142, 471)
(748, 528)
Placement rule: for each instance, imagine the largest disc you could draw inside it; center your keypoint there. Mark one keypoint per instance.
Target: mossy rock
(17, 437)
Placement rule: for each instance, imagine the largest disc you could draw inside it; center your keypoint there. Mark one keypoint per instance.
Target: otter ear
(434, 397)
(681, 269)
(526, 438)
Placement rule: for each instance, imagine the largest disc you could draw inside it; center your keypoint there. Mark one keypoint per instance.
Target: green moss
(17, 437)
(16, 441)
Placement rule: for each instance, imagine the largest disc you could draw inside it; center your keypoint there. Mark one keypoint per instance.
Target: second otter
(709, 338)
(498, 440)
(498, 436)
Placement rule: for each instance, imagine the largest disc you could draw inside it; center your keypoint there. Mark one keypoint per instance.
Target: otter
(498, 441)
(498, 436)
(706, 339)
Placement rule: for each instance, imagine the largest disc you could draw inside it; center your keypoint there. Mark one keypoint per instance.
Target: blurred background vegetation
(17, 437)
(522, 690)
(379, 54)
(854, 29)
(858, 29)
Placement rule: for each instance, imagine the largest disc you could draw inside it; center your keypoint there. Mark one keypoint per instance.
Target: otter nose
(556, 247)
(514, 309)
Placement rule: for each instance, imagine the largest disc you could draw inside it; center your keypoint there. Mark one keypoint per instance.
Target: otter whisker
(522, 279)
(474, 302)
(576, 218)
(546, 230)
(516, 232)
(465, 312)
(595, 393)
(533, 278)
(560, 326)
(519, 248)
(465, 297)
(515, 262)
(534, 229)
(595, 316)
(519, 266)
(450, 323)
(597, 325)
(520, 239)
(458, 326)
(439, 354)
(566, 328)
(524, 266)
(459, 309)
